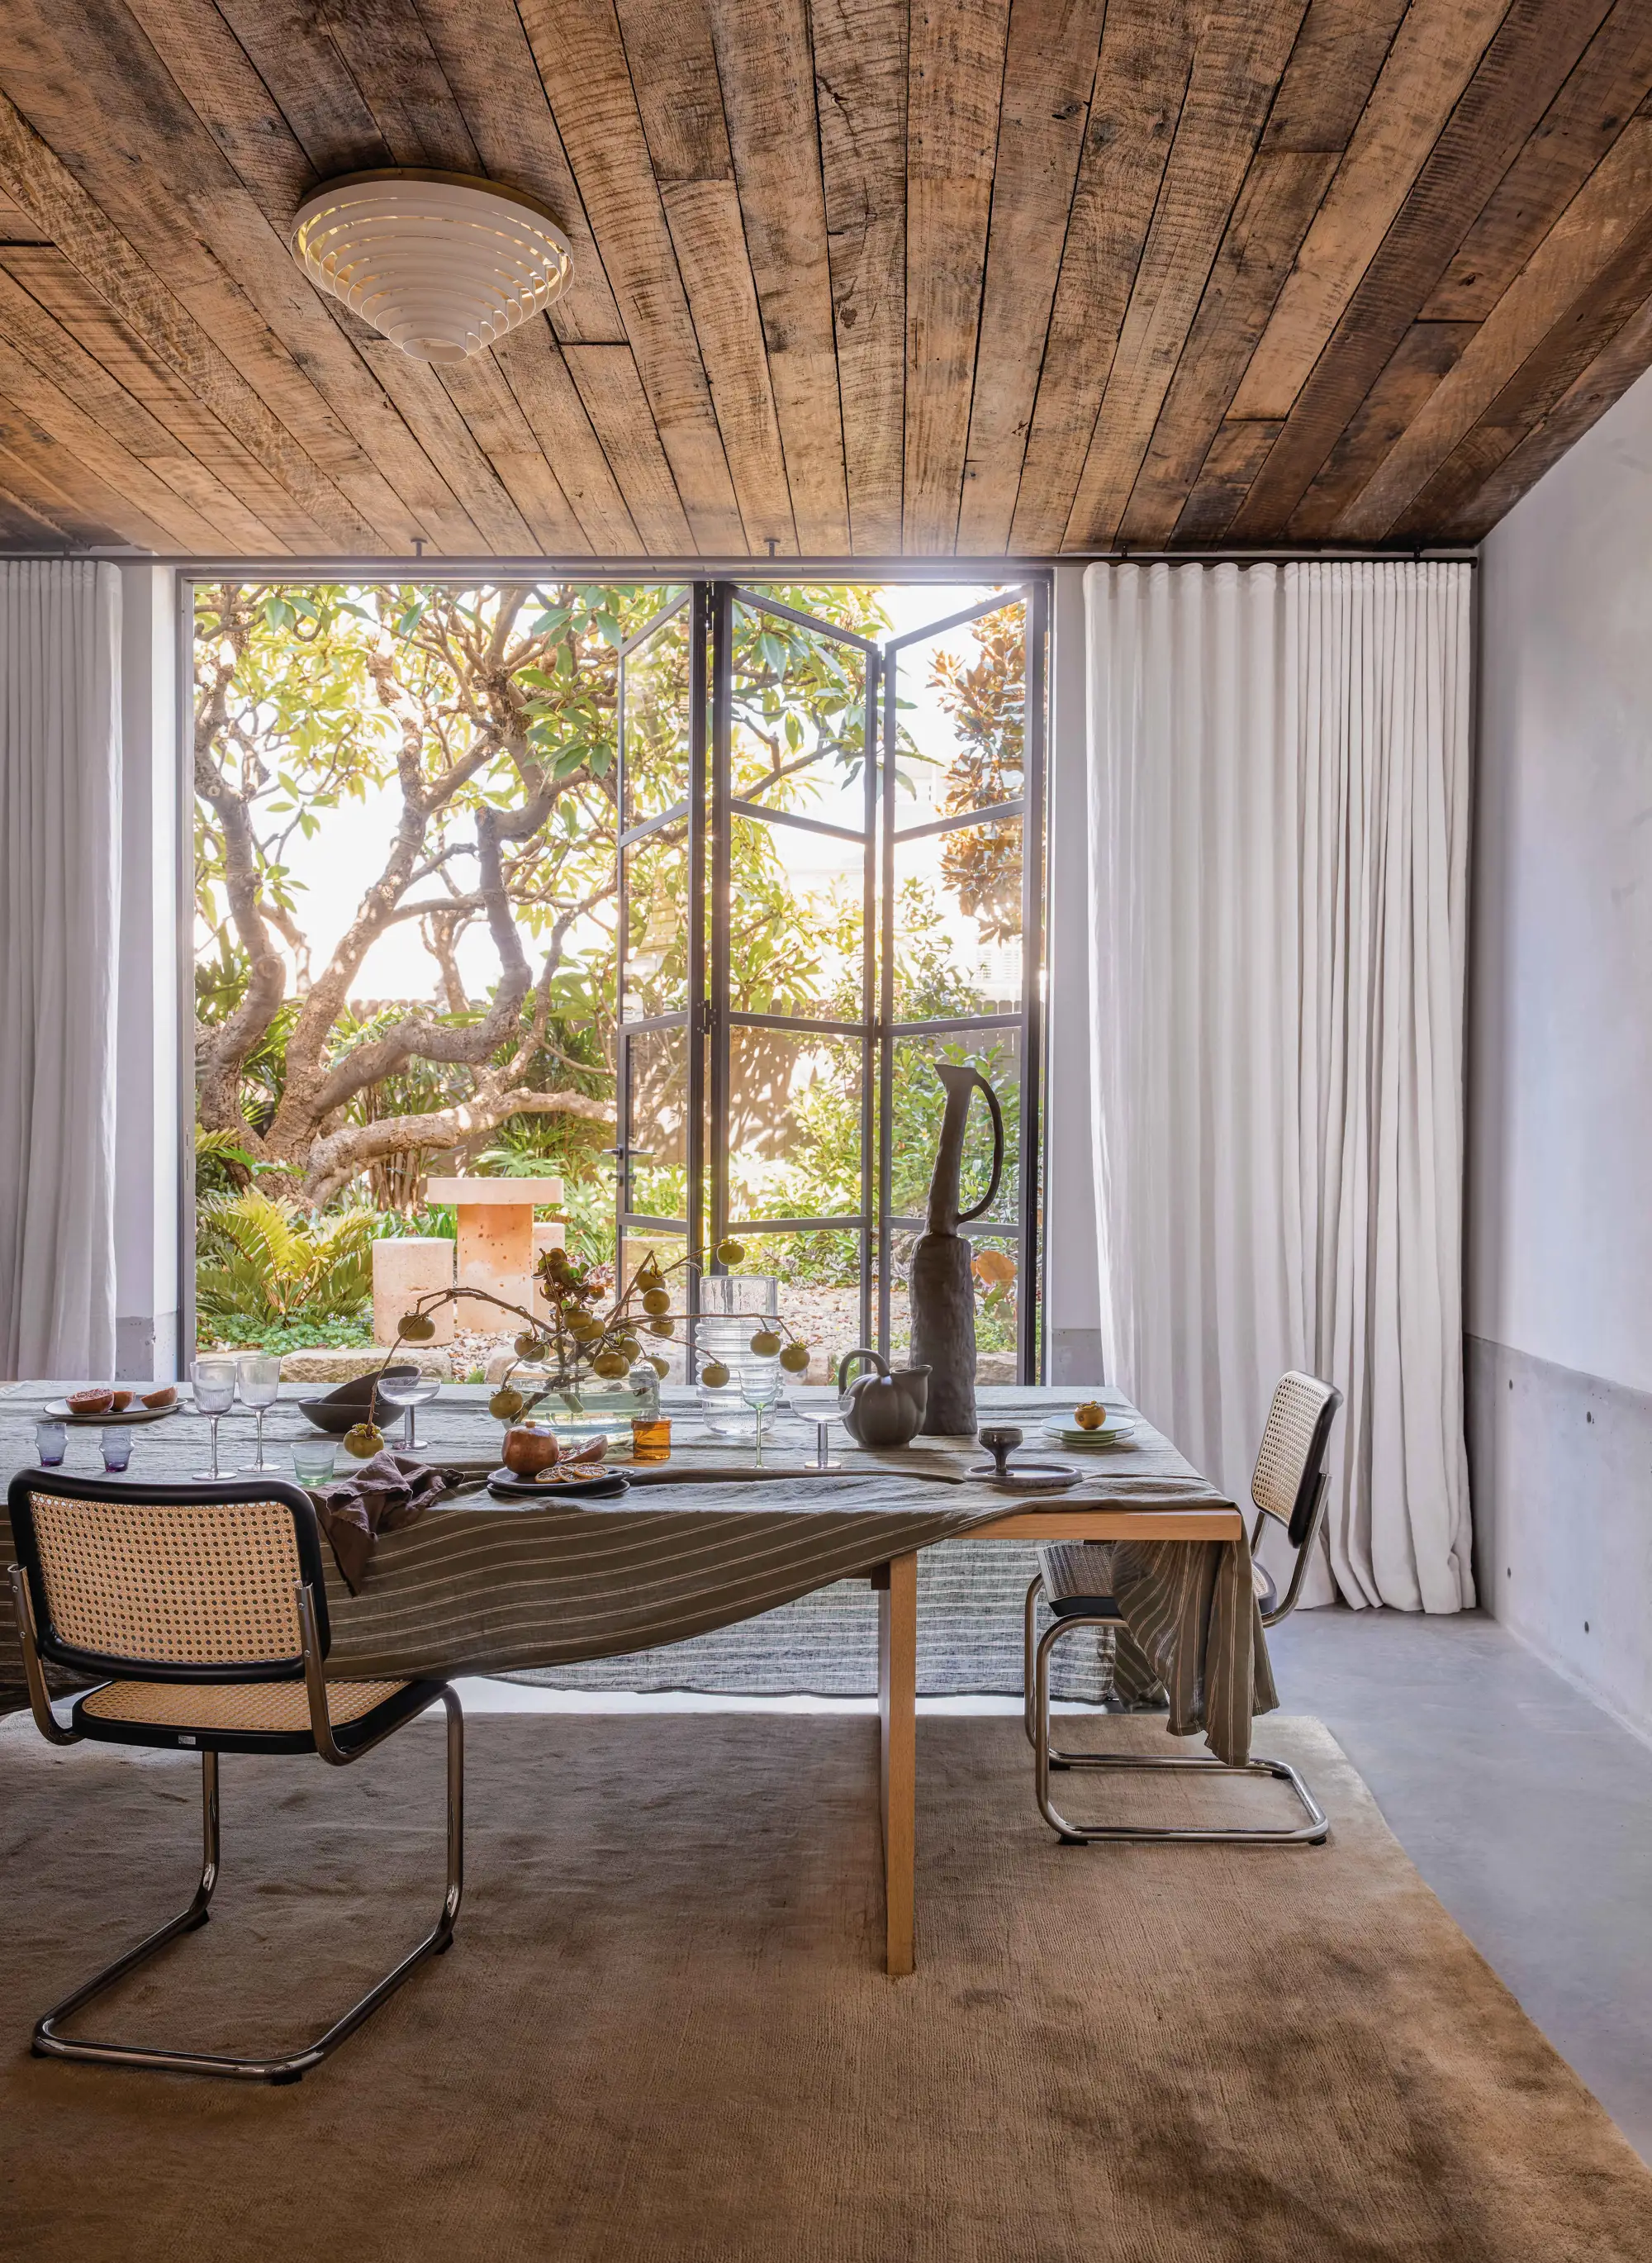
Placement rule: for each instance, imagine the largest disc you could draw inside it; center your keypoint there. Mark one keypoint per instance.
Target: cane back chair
(203, 1609)
(1288, 1489)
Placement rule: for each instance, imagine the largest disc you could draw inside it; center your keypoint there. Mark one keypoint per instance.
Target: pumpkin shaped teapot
(885, 1408)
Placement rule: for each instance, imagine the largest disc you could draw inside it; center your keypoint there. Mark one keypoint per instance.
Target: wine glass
(758, 1381)
(408, 1391)
(260, 1387)
(215, 1379)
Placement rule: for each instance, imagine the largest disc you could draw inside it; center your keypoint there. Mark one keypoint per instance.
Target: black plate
(504, 1485)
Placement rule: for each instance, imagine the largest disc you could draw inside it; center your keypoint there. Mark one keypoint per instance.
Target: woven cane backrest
(1292, 1452)
(169, 1583)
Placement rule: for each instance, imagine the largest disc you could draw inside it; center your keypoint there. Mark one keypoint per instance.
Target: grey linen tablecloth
(488, 1589)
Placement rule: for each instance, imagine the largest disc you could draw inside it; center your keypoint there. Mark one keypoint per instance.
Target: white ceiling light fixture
(441, 263)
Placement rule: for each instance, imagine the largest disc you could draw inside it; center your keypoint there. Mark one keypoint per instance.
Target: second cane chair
(1288, 1489)
(202, 1610)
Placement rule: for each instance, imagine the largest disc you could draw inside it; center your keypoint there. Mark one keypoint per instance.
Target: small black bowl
(341, 1410)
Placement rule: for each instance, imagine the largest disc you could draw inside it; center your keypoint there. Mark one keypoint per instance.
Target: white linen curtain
(1279, 767)
(60, 833)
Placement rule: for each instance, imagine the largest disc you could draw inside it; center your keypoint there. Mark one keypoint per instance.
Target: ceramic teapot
(883, 1409)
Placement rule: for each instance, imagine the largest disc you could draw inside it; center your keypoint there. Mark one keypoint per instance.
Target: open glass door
(962, 893)
(793, 1039)
(659, 1143)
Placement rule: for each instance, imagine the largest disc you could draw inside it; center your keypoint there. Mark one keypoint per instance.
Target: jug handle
(861, 1352)
(986, 1203)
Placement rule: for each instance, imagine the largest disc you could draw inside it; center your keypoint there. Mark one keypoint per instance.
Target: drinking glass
(758, 1381)
(260, 1387)
(215, 1380)
(49, 1441)
(409, 1392)
(117, 1445)
(314, 1460)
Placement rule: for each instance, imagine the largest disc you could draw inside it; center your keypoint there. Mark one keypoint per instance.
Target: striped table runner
(490, 1589)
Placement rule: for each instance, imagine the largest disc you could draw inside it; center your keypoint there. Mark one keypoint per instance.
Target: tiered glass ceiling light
(441, 263)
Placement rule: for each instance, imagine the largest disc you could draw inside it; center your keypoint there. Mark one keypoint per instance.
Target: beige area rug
(662, 2034)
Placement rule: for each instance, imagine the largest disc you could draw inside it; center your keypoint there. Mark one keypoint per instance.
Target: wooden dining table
(896, 1583)
(516, 1591)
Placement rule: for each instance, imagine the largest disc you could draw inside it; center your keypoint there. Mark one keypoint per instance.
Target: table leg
(897, 1723)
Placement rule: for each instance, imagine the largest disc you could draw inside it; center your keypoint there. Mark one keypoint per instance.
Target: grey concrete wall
(1559, 1287)
(1560, 1465)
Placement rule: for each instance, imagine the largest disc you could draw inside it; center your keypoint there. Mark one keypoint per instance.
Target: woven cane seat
(245, 1716)
(274, 1708)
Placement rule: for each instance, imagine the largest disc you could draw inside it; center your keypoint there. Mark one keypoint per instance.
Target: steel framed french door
(794, 819)
(964, 857)
(659, 1143)
(779, 775)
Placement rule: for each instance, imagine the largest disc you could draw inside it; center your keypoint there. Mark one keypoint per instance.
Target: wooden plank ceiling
(852, 276)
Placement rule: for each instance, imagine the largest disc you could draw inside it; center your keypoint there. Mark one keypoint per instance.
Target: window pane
(657, 1121)
(655, 721)
(656, 925)
(962, 708)
(799, 734)
(794, 1124)
(796, 923)
(918, 1103)
(958, 923)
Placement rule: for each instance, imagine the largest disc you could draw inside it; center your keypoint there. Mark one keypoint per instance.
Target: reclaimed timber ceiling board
(853, 278)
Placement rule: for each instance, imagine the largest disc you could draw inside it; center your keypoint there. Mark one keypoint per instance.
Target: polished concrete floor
(1527, 1808)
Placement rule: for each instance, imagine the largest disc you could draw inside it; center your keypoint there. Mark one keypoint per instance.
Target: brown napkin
(390, 1490)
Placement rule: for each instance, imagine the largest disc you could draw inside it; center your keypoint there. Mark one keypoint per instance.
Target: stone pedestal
(405, 1268)
(495, 1241)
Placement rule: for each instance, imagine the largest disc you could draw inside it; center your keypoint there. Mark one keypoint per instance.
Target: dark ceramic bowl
(341, 1409)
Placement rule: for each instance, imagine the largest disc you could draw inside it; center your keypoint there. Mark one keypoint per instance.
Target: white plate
(59, 1410)
(1111, 1434)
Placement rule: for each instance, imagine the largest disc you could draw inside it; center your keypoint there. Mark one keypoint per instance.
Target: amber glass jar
(650, 1438)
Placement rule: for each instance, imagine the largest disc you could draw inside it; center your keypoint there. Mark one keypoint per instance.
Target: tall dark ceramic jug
(942, 1285)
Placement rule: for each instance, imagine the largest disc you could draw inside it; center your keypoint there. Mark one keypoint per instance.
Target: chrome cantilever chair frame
(1307, 1517)
(48, 2041)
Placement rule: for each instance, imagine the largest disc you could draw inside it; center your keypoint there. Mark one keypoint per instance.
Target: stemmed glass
(409, 1392)
(759, 1387)
(260, 1387)
(215, 1380)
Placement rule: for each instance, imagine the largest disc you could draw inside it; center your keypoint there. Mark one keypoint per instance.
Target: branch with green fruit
(587, 1345)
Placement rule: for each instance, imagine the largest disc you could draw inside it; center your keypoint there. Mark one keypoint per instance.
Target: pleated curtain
(59, 832)
(1278, 783)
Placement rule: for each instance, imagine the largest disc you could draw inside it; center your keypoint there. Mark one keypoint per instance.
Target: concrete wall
(1558, 1303)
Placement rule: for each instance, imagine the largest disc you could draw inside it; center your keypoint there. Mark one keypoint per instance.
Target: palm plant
(262, 1262)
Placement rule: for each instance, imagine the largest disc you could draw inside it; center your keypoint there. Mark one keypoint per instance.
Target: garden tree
(986, 701)
(487, 718)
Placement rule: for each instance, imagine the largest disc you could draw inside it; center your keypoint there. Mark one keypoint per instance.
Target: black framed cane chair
(202, 1612)
(1288, 1489)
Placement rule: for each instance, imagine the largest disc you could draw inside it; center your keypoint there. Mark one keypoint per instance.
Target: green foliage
(241, 1335)
(261, 1261)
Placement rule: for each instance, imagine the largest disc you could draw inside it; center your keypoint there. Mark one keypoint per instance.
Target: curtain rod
(953, 570)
